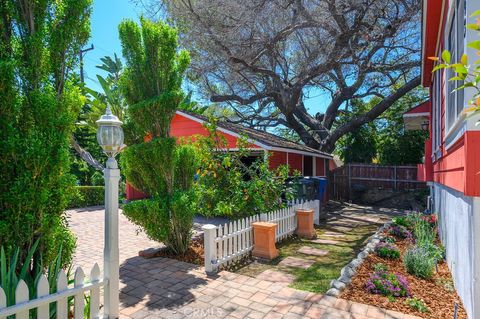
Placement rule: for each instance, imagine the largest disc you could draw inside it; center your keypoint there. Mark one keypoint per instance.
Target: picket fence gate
(230, 242)
(42, 302)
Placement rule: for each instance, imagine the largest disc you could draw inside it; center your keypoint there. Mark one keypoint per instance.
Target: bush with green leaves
(419, 262)
(40, 98)
(386, 250)
(417, 304)
(154, 163)
(229, 187)
(401, 221)
(400, 232)
(424, 234)
(388, 284)
(84, 196)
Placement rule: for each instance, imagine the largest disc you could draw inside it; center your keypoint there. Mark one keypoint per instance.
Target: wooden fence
(227, 243)
(23, 304)
(344, 181)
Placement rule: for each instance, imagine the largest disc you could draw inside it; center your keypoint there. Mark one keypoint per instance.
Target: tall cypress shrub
(154, 163)
(39, 102)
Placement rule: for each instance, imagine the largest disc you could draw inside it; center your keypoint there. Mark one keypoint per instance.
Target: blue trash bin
(322, 188)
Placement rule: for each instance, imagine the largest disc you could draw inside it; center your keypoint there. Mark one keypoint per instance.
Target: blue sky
(106, 16)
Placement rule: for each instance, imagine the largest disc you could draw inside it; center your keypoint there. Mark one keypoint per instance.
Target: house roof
(417, 117)
(260, 138)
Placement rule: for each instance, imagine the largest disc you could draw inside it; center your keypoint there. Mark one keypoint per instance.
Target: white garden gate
(42, 303)
(80, 287)
(230, 242)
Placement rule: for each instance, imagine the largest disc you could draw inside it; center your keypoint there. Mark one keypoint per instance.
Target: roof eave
(258, 143)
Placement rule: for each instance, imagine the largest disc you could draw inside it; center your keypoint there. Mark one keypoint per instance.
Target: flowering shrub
(430, 219)
(386, 250)
(388, 284)
(419, 262)
(401, 221)
(400, 232)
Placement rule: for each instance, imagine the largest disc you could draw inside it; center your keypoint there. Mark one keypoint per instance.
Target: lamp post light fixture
(110, 138)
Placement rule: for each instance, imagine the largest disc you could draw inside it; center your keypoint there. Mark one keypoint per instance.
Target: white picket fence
(230, 242)
(43, 300)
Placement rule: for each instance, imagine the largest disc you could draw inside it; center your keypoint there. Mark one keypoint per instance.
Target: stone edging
(350, 270)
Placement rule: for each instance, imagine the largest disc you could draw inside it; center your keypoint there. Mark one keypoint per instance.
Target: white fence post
(111, 250)
(209, 234)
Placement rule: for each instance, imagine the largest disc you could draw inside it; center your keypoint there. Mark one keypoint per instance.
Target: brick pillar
(305, 223)
(264, 240)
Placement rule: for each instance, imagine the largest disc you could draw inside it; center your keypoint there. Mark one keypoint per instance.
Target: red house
(306, 160)
(452, 154)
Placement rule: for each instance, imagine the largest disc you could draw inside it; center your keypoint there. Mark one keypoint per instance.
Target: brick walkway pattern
(166, 288)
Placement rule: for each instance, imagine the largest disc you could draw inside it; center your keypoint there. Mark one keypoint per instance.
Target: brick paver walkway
(166, 288)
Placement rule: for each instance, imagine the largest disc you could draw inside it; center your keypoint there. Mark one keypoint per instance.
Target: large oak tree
(262, 58)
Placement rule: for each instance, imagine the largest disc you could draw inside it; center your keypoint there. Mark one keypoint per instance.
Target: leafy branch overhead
(467, 74)
(263, 60)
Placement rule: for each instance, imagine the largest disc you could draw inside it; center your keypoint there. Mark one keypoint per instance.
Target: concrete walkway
(166, 288)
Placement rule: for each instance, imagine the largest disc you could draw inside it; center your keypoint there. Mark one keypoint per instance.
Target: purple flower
(388, 284)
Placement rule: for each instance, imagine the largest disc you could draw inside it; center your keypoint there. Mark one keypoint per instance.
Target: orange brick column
(264, 240)
(305, 223)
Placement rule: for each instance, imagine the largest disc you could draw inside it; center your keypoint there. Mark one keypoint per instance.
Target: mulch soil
(437, 293)
(194, 254)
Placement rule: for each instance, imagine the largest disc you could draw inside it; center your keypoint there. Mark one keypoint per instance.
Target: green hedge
(87, 196)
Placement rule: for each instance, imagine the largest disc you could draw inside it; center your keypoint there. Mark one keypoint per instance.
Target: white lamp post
(110, 138)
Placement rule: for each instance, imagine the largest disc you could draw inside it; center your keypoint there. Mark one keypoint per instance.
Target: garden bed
(437, 293)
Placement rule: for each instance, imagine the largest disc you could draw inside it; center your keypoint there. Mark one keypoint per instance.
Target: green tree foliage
(157, 165)
(111, 94)
(360, 145)
(231, 186)
(397, 146)
(86, 128)
(384, 140)
(39, 103)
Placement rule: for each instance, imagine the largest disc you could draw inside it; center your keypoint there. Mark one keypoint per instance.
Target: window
(455, 44)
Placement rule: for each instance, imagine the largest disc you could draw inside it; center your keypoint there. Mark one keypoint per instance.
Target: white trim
(456, 131)
(416, 114)
(259, 144)
(289, 150)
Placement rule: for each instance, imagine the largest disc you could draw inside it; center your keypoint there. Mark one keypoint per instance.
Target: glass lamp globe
(110, 133)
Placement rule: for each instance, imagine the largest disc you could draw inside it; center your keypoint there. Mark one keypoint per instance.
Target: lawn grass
(317, 277)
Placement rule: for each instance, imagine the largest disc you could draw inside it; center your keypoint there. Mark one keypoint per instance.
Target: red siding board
(295, 162)
(320, 169)
(277, 159)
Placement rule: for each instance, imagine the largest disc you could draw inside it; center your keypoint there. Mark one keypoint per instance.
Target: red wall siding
(295, 161)
(472, 163)
(277, 159)
(449, 169)
(185, 127)
(320, 169)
